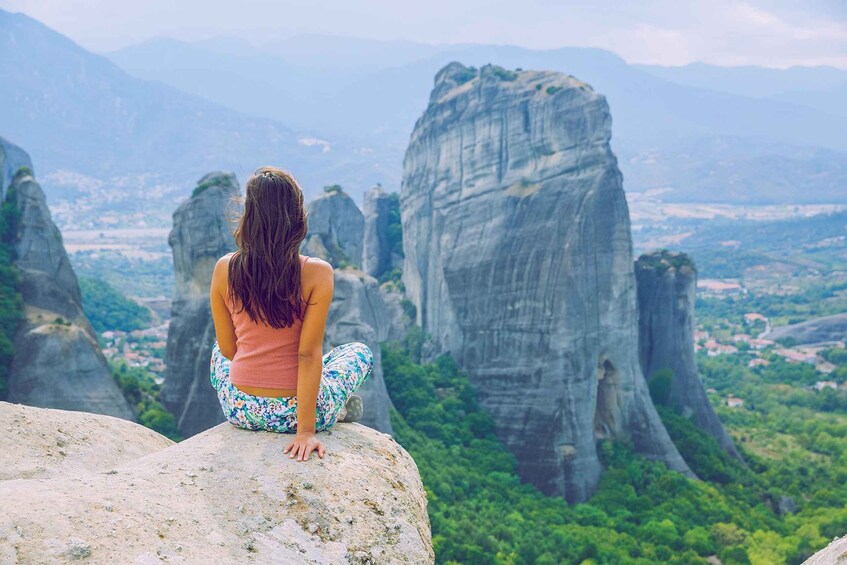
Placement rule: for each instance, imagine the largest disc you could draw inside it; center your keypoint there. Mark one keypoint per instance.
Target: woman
(269, 305)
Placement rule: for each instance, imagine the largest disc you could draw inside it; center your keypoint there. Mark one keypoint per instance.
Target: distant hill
(80, 113)
(706, 141)
(823, 88)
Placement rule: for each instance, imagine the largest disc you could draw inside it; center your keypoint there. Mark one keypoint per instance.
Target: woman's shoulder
(222, 267)
(315, 268)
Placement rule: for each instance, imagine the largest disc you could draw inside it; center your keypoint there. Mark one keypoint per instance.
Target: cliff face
(336, 229)
(57, 362)
(378, 254)
(12, 158)
(519, 261)
(359, 313)
(200, 236)
(816, 330)
(667, 283)
(224, 496)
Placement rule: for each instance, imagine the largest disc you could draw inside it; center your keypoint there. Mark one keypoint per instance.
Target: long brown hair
(264, 273)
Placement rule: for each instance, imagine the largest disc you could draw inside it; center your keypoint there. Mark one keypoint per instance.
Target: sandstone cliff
(57, 362)
(519, 261)
(336, 229)
(667, 283)
(90, 487)
(379, 255)
(200, 236)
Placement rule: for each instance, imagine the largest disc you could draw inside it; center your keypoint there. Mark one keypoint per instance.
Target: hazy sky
(776, 33)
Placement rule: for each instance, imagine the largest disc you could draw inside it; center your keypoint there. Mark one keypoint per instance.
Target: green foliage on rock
(660, 386)
(220, 181)
(108, 309)
(11, 303)
(642, 512)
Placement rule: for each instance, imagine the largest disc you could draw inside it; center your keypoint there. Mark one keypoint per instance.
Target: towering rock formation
(201, 234)
(358, 313)
(57, 362)
(336, 229)
(666, 287)
(12, 159)
(381, 212)
(519, 261)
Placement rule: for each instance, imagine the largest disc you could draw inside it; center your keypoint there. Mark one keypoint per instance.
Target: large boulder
(56, 361)
(224, 496)
(200, 236)
(518, 260)
(667, 283)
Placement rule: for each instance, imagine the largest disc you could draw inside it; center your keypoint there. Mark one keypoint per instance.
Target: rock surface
(224, 496)
(12, 158)
(200, 236)
(816, 330)
(667, 283)
(50, 443)
(833, 554)
(519, 261)
(336, 229)
(378, 256)
(57, 362)
(358, 313)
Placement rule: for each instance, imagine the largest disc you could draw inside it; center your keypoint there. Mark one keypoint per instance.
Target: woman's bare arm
(318, 286)
(224, 328)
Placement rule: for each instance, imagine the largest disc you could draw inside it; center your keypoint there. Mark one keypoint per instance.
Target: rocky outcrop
(336, 229)
(382, 214)
(816, 330)
(12, 159)
(519, 262)
(200, 236)
(833, 554)
(667, 283)
(57, 362)
(224, 496)
(358, 313)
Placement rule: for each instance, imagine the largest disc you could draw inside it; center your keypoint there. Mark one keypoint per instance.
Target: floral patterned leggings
(345, 369)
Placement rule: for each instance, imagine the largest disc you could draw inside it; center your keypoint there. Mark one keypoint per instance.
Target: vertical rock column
(519, 261)
(667, 283)
(201, 235)
(57, 362)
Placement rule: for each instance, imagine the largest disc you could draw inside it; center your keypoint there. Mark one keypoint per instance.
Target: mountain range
(150, 119)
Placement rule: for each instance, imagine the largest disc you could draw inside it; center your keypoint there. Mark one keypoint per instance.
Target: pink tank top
(265, 357)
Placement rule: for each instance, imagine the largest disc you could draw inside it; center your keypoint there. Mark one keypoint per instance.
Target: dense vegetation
(108, 309)
(395, 238)
(142, 392)
(149, 278)
(11, 304)
(642, 512)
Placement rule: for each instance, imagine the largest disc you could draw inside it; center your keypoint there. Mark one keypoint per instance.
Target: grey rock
(667, 283)
(12, 158)
(200, 236)
(358, 313)
(57, 362)
(786, 505)
(519, 262)
(336, 229)
(816, 330)
(378, 256)
(364, 475)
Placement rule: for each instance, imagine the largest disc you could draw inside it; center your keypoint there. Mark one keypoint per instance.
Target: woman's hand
(303, 445)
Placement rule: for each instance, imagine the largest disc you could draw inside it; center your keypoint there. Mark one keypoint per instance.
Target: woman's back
(267, 357)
